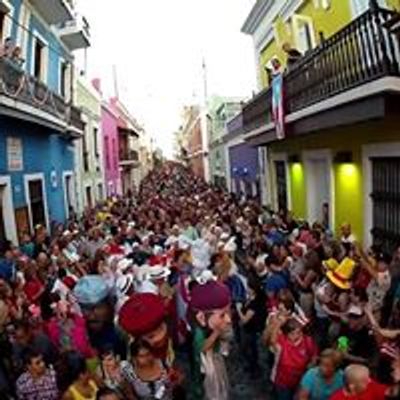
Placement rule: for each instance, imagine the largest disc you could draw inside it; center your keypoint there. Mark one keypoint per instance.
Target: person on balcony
(293, 55)
(7, 48)
(16, 57)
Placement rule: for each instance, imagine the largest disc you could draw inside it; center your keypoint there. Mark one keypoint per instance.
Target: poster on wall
(278, 111)
(14, 154)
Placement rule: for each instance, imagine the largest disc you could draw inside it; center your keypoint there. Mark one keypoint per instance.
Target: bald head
(357, 378)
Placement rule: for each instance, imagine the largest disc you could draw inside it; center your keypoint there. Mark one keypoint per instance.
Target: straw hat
(341, 276)
(330, 265)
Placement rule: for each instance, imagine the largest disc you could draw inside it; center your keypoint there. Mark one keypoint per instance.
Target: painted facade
(300, 23)
(244, 169)
(340, 159)
(89, 156)
(221, 110)
(129, 132)
(109, 124)
(38, 121)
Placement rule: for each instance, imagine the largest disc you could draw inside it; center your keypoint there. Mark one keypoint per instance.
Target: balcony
(75, 33)
(129, 158)
(55, 11)
(23, 96)
(360, 61)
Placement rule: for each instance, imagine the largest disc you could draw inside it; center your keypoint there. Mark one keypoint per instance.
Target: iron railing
(15, 84)
(363, 51)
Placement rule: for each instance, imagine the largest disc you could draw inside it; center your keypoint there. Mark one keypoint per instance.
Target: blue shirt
(317, 387)
(275, 282)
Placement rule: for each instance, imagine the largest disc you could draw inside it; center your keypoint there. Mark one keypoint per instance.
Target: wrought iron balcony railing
(16, 85)
(363, 51)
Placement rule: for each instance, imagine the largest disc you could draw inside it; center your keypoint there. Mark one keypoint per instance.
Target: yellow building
(341, 149)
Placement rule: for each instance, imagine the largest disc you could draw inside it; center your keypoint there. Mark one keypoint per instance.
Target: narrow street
(199, 200)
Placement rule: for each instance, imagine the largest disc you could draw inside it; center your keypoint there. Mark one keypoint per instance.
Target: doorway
(281, 185)
(3, 235)
(318, 177)
(69, 193)
(89, 200)
(8, 229)
(36, 199)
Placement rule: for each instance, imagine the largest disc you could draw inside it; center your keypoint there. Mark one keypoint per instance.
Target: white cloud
(158, 47)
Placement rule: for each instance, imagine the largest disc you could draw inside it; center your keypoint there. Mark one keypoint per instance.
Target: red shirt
(292, 360)
(374, 391)
(32, 289)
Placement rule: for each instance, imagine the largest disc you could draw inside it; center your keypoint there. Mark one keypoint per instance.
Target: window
(63, 78)
(114, 150)
(303, 29)
(38, 66)
(386, 202)
(2, 26)
(107, 151)
(100, 191)
(95, 143)
(85, 154)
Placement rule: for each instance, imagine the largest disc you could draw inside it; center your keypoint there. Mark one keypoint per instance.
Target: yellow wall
(348, 180)
(327, 21)
(298, 190)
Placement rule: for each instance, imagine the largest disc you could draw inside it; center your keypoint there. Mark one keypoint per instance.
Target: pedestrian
(38, 381)
(320, 382)
(146, 375)
(294, 352)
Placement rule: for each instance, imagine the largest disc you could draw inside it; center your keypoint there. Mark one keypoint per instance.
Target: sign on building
(14, 154)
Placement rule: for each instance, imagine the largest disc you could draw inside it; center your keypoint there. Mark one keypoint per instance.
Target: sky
(156, 48)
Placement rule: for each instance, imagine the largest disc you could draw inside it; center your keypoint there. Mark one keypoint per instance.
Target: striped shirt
(43, 388)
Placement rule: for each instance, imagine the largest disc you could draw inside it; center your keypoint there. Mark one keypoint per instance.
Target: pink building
(109, 121)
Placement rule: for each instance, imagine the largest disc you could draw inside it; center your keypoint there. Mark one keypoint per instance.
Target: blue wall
(43, 151)
(55, 52)
(17, 10)
(243, 156)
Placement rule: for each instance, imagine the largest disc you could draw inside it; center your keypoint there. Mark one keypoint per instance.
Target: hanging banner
(278, 111)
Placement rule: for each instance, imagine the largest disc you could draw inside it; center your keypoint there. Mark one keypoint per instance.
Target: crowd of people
(146, 297)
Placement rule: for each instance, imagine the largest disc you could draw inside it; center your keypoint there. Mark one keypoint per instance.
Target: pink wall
(109, 120)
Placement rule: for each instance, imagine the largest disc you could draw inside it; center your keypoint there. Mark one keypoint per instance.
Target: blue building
(39, 123)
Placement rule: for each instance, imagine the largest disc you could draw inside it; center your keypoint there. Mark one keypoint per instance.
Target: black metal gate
(281, 185)
(386, 202)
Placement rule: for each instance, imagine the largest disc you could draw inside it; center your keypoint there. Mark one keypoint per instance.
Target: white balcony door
(319, 188)
(360, 6)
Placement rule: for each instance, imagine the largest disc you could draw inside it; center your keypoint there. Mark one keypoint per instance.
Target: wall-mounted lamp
(245, 171)
(294, 159)
(343, 157)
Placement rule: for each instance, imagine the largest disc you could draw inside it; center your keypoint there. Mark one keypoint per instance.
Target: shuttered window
(386, 202)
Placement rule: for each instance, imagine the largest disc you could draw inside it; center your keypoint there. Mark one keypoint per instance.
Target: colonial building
(38, 119)
(89, 157)
(339, 155)
(109, 126)
(129, 132)
(220, 110)
(192, 139)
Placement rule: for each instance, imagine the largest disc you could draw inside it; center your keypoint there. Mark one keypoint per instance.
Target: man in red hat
(210, 304)
(144, 316)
